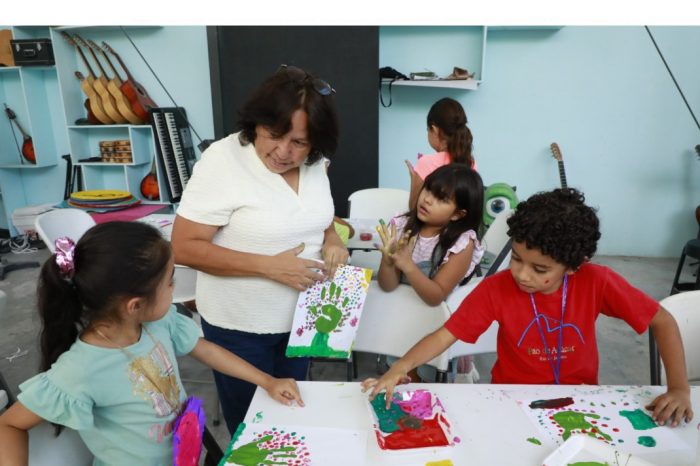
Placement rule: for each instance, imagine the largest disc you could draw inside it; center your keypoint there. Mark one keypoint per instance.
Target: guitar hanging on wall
(556, 153)
(27, 150)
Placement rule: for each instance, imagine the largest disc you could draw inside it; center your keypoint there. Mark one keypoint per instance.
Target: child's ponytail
(60, 311)
(449, 116)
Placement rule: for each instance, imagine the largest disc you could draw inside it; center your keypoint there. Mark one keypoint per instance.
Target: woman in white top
(256, 221)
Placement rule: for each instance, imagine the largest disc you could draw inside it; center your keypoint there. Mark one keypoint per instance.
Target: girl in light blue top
(109, 341)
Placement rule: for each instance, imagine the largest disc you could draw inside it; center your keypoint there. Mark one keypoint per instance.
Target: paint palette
(582, 449)
(415, 420)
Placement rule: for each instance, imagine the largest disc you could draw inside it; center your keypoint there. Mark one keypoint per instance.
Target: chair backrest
(72, 223)
(185, 280)
(391, 323)
(685, 308)
(68, 449)
(376, 203)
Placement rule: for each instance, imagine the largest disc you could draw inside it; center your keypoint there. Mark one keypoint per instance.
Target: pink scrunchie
(65, 247)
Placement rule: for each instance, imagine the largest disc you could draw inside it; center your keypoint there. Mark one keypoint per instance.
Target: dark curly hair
(559, 224)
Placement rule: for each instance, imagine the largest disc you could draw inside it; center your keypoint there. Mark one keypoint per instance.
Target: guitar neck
(121, 63)
(562, 173)
(111, 66)
(21, 130)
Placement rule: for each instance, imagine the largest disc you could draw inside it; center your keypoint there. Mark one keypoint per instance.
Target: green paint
(319, 347)
(534, 440)
(573, 420)
(639, 419)
(386, 418)
(588, 463)
(258, 416)
(251, 454)
(646, 441)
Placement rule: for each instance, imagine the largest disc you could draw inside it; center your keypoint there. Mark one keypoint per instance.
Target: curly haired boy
(546, 306)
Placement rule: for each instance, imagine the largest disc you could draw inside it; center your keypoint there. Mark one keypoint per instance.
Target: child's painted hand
(391, 242)
(284, 390)
(674, 405)
(388, 382)
(402, 258)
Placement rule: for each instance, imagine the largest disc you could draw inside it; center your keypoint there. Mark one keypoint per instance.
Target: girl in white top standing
(434, 247)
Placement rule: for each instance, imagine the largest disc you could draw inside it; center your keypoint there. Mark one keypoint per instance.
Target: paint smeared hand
(674, 406)
(397, 375)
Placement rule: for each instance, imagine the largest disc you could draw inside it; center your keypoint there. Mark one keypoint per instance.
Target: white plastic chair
(495, 239)
(68, 449)
(685, 308)
(72, 223)
(392, 322)
(375, 203)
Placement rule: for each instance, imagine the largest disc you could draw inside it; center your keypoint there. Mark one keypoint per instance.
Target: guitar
(94, 100)
(99, 83)
(556, 153)
(114, 87)
(149, 184)
(141, 102)
(88, 86)
(27, 145)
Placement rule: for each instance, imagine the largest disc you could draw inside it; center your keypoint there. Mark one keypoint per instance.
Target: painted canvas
(617, 418)
(328, 313)
(256, 444)
(415, 419)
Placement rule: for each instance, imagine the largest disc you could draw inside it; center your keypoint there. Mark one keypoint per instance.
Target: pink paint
(420, 405)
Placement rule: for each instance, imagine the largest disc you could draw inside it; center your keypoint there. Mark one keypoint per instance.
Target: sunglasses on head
(319, 85)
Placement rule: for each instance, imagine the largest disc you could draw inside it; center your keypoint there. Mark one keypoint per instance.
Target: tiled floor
(623, 354)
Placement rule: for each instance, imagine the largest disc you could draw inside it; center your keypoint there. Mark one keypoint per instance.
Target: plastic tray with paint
(583, 449)
(415, 420)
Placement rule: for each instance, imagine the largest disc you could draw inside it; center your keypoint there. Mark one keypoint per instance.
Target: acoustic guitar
(149, 184)
(95, 104)
(27, 144)
(556, 153)
(88, 86)
(141, 102)
(114, 87)
(100, 82)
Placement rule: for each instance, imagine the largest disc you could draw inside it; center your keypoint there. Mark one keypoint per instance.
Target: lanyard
(555, 368)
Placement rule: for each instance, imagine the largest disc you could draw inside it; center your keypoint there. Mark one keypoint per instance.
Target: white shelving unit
(464, 84)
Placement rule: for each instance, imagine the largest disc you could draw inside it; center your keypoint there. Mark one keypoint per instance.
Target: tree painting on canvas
(328, 313)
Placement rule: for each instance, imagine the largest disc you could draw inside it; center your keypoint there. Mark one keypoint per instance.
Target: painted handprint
(273, 447)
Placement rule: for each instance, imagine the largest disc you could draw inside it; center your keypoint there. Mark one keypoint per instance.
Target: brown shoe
(460, 73)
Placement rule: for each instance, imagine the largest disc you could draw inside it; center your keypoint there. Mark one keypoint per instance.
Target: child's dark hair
(112, 261)
(559, 224)
(463, 185)
(275, 100)
(448, 115)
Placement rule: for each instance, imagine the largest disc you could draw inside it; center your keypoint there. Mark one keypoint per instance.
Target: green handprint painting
(327, 315)
(270, 446)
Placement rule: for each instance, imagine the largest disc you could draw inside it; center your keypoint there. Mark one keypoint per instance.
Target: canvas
(328, 313)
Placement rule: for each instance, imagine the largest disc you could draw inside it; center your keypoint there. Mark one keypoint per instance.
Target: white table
(492, 427)
(162, 222)
(366, 226)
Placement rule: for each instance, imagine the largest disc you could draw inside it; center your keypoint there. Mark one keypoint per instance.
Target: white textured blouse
(257, 212)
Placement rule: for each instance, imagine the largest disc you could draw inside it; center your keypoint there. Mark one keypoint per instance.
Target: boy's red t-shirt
(522, 358)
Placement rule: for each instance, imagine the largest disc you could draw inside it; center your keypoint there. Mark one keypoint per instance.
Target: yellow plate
(101, 195)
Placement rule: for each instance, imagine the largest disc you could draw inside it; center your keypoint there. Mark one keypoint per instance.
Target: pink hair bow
(65, 247)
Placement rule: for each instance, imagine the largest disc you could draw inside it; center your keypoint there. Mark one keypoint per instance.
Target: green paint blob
(639, 419)
(534, 440)
(387, 418)
(646, 441)
(572, 421)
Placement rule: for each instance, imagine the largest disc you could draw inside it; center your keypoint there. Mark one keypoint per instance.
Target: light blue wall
(601, 93)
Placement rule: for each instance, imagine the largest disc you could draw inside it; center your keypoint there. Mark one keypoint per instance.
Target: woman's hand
(294, 271)
(395, 376)
(284, 390)
(333, 255)
(673, 405)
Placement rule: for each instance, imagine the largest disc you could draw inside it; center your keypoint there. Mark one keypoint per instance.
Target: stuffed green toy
(497, 198)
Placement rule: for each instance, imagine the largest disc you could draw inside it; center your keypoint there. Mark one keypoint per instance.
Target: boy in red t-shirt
(546, 306)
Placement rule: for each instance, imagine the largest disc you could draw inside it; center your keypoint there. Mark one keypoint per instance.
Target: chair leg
(441, 377)
(214, 453)
(654, 362)
(354, 365)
